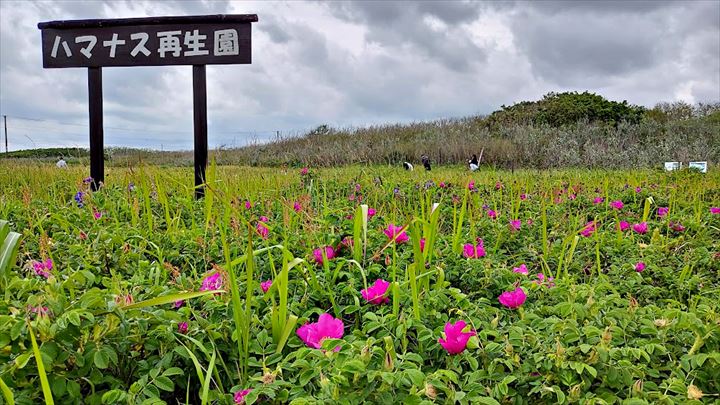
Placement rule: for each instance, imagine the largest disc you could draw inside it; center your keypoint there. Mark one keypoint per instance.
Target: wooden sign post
(154, 41)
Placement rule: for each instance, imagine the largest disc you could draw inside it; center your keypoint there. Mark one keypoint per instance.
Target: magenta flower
(522, 269)
(471, 251)
(523, 197)
(492, 214)
(454, 340)
(97, 214)
(638, 189)
(541, 280)
(572, 196)
(327, 327)
(39, 311)
(371, 212)
(297, 207)
(304, 171)
(422, 244)
(347, 242)
(715, 210)
(624, 225)
(515, 224)
(662, 211)
(498, 185)
(471, 185)
(640, 228)
(598, 200)
(442, 184)
(265, 285)
(248, 204)
(240, 396)
(178, 304)
(43, 268)
(375, 294)
(618, 205)
(261, 228)
(513, 299)
(588, 229)
(639, 267)
(318, 254)
(212, 282)
(393, 232)
(183, 327)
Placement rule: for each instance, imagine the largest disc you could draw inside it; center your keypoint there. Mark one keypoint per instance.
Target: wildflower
(588, 229)
(639, 267)
(492, 214)
(347, 242)
(454, 340)
(523, 197)
(87, 180)
(82, 235)
(693, 392)
(178, 304)
(39, 311)
(212, 282)
(572, 196)
(471, 185)
(515, 224)
(124, 300)
(97, 214)
(715, 210)
(640, 228)
(248, 204)
(662, 211)
(183, 327)
(598, 200)
(513, 299)
(351, 197)
(522, 269)
(557, 200)
(375, 294)
(624, 225)
(79, 199)
(261, 228)
(318, 254)
(297, 207)
(676, 226)
(498, 185)
(529, 221)
(265, 285)
(541, 280)
(313, 334)
(638, 189)
(131, 187)
(422, 244)
(474, 252)
(618, 205)
(240, 396)
(371, 212)
(393, 232)
(43, 268)
(304, 171)
(442, 184)
(357, 187)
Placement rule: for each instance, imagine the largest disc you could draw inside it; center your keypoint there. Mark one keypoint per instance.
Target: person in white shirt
(61, 164)
(474, 164)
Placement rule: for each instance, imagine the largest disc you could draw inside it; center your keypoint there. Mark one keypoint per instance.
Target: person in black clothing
(426, 162)
(474, 164)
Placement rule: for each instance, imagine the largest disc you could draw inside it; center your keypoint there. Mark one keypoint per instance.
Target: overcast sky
(360, 63)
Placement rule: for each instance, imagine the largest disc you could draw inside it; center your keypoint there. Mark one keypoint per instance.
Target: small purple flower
(183, 327)
(598, 200)
(240, 396)
(87, 180)
(522, 269)
(178, 304)
(515, 224)
(131, 187)
(618, 205)
(265, 285)
(523, 196)
(662, 211)
(492, 214)
(638, 189)
(715, 210)
(79, 199)
(639, 267)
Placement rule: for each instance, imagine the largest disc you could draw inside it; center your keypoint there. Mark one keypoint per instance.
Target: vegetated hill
(568, 129)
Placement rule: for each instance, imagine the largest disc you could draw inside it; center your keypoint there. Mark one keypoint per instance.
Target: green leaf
(7, 393)
(486, 401)
(173, 371)
(101, 359)
(165, 383)
(168, 299)
(47, 393)
(416, 376)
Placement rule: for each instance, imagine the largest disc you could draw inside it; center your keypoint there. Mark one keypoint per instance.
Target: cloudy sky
(359, 63)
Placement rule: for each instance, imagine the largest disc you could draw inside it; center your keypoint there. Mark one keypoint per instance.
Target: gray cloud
(360, 63)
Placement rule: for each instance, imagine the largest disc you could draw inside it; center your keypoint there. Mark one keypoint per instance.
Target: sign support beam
(97, 150)
(200, 128)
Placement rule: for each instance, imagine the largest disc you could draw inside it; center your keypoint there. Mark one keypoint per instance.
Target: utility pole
(6, 144)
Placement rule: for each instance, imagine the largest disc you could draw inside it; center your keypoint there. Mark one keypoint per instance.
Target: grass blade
(41, 368)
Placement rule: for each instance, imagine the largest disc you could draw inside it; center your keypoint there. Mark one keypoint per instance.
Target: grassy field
(569, 286)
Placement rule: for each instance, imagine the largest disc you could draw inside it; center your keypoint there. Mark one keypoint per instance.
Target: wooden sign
(154, 41)
(199, 40)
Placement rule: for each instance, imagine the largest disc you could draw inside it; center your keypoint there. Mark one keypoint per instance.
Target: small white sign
(670, 166)
(702, 166)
